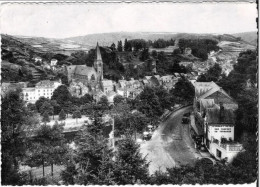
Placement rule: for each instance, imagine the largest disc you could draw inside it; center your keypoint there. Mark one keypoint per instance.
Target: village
(210, 120)
(129, 93)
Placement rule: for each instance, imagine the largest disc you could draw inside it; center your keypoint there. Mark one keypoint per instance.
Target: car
(185, 120)
(186, 114)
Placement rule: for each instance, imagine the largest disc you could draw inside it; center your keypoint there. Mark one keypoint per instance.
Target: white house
(42, 89)
(54, 63)
(38, 59)
(219, 129)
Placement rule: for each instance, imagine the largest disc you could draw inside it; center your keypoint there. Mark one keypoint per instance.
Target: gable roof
(202, 87)
(213, 90)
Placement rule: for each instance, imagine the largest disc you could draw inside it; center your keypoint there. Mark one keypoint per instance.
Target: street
(171, 144)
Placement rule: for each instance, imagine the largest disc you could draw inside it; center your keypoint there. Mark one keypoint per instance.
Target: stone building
(90, 77)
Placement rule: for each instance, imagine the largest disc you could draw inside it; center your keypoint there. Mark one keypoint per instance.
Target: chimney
(221, 113)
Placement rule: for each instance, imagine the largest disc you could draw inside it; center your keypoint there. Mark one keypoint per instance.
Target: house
(38, 59)
(7, 87)
(147, 77)
(214, 113)
(107, 86)
(154, 82)
(54, 62)
(110, 96)
(145, 82)
(186, 64)
(168, 82)
(210, 90)
(78, 89)
(219, 129)
(42, 89)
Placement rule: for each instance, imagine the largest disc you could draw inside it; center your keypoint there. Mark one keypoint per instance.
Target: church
(84, 79)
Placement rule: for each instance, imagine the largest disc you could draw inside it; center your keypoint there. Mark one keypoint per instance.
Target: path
(171, 144)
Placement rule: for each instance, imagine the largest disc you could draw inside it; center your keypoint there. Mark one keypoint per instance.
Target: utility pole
(113, 135)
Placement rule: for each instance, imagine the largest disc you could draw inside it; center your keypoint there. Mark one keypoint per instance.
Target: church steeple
(98, 64)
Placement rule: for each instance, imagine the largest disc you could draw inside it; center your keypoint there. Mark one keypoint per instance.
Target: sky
(68, 20)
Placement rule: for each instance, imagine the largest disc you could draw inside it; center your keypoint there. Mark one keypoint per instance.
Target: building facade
(42, 89)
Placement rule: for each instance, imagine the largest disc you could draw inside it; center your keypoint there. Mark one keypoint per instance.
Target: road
(171, 144)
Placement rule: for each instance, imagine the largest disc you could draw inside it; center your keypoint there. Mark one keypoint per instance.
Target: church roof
(98, 53)
(84, 70)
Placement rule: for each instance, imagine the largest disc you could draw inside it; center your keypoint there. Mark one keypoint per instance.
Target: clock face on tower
(99, 65)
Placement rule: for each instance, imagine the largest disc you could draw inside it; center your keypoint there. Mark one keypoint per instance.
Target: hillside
(65, 47)
(107, 39)
(250, 37)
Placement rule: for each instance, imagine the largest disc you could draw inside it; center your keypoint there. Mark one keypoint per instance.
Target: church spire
(98, 64)
(98, 53)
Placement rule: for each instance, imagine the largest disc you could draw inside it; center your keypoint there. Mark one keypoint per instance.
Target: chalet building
(214, 113)
(219, 129)
(210, 90)
(42, 89)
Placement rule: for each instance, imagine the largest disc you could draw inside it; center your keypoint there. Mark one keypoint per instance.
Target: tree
(67, 107)
(154, 54)
(86, 99)
(119, 46)
(118, 99)
(45, 117)
(176, 51)
(31, 107)
(126, 45)
(103, 102)
(48, 147)
(113, 47)
(62, 115)
(144, 54)
(61, 95)
(17, 124)
(40, 102)
(46, 107)
(130, 167)
(148, 103)
(56, 107)
(183, 91)
(92, 163)
(76, 115)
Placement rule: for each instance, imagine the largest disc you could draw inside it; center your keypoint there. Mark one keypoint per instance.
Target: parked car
(185, 120)
(186, 114)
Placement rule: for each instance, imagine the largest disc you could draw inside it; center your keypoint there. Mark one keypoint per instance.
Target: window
(218, 153)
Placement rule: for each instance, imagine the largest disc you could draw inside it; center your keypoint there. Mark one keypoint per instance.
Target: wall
(224, 152)
(218, 131)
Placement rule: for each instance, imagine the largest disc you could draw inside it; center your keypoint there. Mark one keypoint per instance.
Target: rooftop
(213, 116)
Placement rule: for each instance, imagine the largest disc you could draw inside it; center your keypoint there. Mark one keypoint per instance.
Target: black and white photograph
(129, 93)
